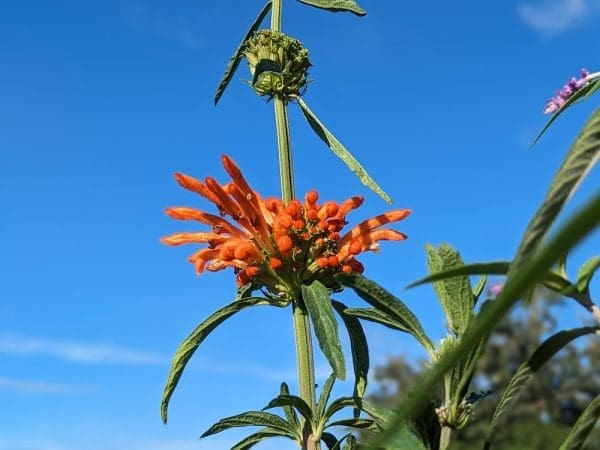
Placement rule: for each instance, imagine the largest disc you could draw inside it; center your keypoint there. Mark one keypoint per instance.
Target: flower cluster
(278, 63)
(572, 86)
(274, 245)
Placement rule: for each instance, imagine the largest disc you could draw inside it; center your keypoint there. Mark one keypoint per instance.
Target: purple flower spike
(567, 91)
(496, 288)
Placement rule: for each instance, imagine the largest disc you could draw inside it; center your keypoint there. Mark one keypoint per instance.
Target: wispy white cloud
(176, 28)
(39, 387)
(76, 351)
(552, 17)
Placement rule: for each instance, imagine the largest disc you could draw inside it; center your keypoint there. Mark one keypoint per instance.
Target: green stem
(445, 438)
(303, 339)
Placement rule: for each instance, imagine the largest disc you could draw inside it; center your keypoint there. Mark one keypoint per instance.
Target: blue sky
(102, 101)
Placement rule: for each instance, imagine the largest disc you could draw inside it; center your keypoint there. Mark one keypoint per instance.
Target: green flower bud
(278, 64)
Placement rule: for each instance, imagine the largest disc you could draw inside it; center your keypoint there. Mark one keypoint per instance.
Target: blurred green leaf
(525, 372)
(320, 311)
(586, 273)
(491, 268)
(234, 61)
(192, 342)
(358, 423)
(580, 159)
(254, 418)
(583, 427)
(455, 294)
(340, 151)
(336, 5)
(574, 230)
(358, 346)
(383, 301)
(582, 94)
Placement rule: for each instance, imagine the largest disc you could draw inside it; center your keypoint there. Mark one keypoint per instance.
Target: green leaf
(329, 439)
(320, 311)
(359, 348)
(582, 94)
(479, 287)
(254, 418)
(192, 342)
(491, 268)
(324, 397)
(290, 414)
(336, 5)
(586, 273)
(455, 294)
(285, 400)
(374, 315)
(583, 427)
(572, 232)
(337, 405)
(580, 159)
(340, 151)
(234, 61)
(383, 301)
(255, 438)
(360, 424)
(525, 372)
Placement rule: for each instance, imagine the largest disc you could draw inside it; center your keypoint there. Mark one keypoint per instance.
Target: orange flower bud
(275, 263)
(322, 263)
(346, 268)
(323, 225)
(284, 243)
(294, 209)
(252, 271)
(299, 224)
(312, 214)
(333, 261)
(312, 197)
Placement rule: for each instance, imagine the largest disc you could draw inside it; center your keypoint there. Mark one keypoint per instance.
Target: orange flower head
(276, 246)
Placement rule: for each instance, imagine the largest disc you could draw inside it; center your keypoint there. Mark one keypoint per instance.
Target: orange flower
(274, 245)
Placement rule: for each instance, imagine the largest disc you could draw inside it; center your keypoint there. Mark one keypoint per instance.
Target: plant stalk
(303, 339)
(445, 437)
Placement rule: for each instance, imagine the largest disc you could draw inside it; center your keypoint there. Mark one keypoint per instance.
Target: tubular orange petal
(195, 185)
(218, 223)
(192, 238)
(375, 222)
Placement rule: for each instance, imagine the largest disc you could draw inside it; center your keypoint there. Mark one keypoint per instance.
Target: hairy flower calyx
(273, 245)
(278, 63)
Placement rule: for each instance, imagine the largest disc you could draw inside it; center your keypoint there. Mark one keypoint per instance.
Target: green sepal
(336, 6)
(340, 151)
(318, 304)
(234, 61)
(191, 343)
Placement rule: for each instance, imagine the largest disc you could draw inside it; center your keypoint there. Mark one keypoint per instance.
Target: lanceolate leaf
(382, 300)
(254, 418)
(581, 94)
(341, 151)
(586, 272)
(374, 315)
(320, 311)
(581, 157)
(491, 268)
(290, 414)
(574, 230)
(294, 401)
(455, 294)
(234, 62)
(336, 5)
(193, 341)
(255, 438)
(479, 287)
(525, 372)
(359, 347)
(583, 427)
(361, 424)
(324, 397)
